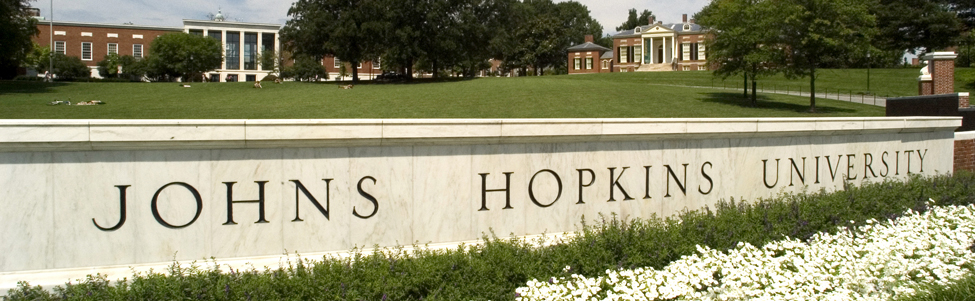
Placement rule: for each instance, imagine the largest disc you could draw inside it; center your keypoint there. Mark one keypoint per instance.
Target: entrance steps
(655, 67)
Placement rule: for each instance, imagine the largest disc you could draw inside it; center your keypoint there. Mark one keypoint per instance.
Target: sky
(609, 13)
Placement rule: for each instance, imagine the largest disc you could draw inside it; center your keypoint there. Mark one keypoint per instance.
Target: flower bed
(876, 261)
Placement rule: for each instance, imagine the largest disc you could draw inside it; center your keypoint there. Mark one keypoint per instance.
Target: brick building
(654, 47)
(93, 41)
(586, 58)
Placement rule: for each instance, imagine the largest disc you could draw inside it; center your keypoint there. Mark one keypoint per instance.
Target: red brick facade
(124, 37)
(586, 62)
(943, 74)
(964, 155)
(623, 54)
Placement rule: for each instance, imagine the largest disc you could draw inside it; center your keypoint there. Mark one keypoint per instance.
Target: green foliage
(962, 290)
(305, 69)
(906, 25)
(17, 27)
(632, 21)
(67, 68)
(348, 30)
(493, 270)
(184, 55)
(133, 69)
(269, 61)
(37, 54)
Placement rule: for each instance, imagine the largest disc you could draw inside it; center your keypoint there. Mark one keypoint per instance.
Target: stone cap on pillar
(943, 55)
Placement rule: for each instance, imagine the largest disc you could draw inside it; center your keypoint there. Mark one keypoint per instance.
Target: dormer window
(637, 30)
(687, 27)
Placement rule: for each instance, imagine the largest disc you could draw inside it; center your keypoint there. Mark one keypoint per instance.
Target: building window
(214, 77)
(637, 53)
(589, 63)
(232, 52)
(685, 51)
(86, 51)
(377, 64)
(687, 68)
(198, 32)
(577, 63)
(702, 68)
(267, 42)
(623, 55)
(338, 63)
(59, 47)
(217, 35)
(250, 51)
(605, 64)
(231, 78)
(251, 77)
(360, 66)
(700, 51)
(137, 51)
(112, 48)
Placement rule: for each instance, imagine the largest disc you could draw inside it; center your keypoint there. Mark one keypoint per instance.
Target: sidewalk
(857, 98)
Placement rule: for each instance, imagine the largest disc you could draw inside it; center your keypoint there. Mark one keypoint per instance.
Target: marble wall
(192, 190)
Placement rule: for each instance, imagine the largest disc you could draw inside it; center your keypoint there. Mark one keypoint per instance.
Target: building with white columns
(661, 47)
(243, 44)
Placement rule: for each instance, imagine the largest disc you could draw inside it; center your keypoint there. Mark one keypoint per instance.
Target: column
(653, 52)
(260, 50)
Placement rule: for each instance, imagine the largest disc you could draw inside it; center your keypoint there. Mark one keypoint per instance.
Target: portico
(659, 43)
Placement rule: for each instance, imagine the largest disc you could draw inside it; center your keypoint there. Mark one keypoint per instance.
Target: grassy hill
(623, 95)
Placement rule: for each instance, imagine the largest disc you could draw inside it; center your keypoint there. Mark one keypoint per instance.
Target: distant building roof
(608, 55)
(678, 27)
(127, 26)
(587, 46)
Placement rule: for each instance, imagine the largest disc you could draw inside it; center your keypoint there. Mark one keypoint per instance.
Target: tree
(632, 21)
(37, 54)
(131, 68)
(185, 55)
(305, 68)
(109, 66)
(906, 25)
(346, 29)
(811, 33)
(16, 29)
(67, 67)
(269, 61)
(741, 48)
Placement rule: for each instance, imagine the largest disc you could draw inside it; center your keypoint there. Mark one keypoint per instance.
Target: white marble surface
(428, 189)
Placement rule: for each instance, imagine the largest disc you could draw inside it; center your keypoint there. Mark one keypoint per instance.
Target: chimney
(685, 18)
(588, 38)
(652, 20)
(692, 21)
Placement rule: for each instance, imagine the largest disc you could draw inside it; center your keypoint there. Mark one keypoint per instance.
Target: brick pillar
(962, 100)
(924, 84)
(942, 68)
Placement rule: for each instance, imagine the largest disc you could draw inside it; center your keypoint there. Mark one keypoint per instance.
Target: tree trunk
(435, 73)
(355, 72)
(812, 90)
(745, 95)
(754, 93)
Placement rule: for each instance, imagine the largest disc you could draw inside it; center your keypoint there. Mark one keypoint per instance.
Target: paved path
(864, 99)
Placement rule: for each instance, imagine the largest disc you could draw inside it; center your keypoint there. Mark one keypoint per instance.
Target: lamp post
(868, 71)
(50, 54)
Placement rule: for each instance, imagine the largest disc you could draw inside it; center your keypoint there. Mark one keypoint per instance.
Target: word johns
(299, 188)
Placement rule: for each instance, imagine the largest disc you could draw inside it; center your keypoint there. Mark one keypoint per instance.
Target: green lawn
(625, 95)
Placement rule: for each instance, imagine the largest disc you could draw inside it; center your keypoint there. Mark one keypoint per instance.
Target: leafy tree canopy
(632, 20)
(16, 29)
(184, 55)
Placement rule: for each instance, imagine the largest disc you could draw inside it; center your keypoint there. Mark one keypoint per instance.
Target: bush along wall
(494, 269)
